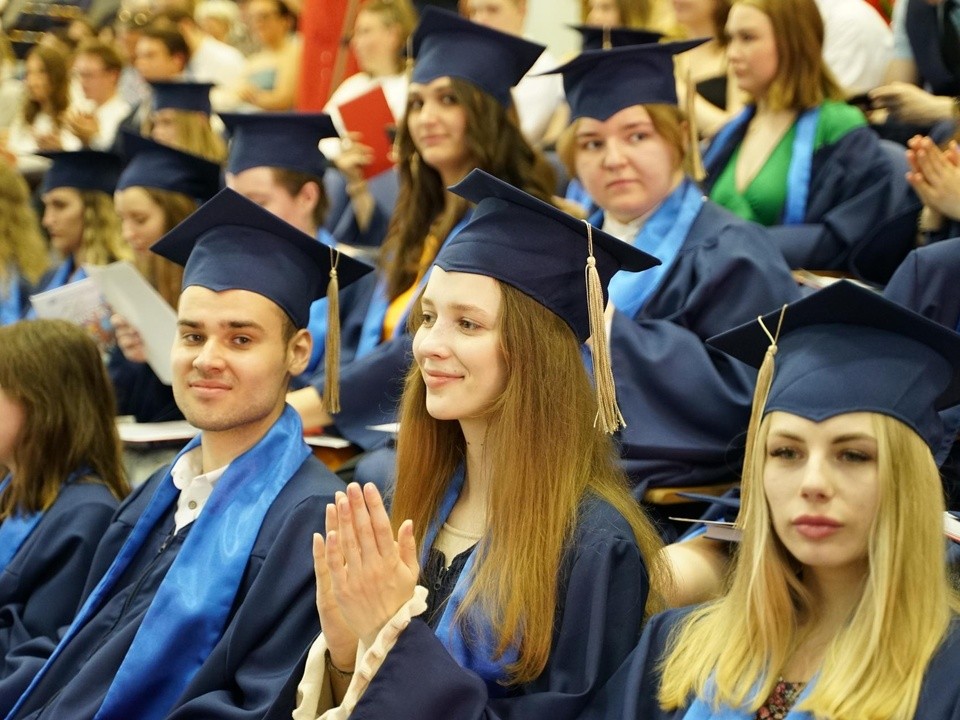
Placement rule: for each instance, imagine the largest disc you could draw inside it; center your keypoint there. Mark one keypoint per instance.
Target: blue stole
(701, 710)
(15, 530)
(317, 325)
(190, 609)
(477, 654)
(662, 236)
(11, 309)
(372, 329)
(801, 158)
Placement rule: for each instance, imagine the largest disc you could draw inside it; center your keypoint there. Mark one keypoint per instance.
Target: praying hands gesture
(364, 575)
(935, 175)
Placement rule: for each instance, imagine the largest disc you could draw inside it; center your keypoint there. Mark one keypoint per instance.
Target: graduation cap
(544, 252)
(280, 140)
(597, 37)
(82, 170)
(846, 349)
(154, 165)
(445, 44)
(231, 243)
(601, 83)
(180, 95)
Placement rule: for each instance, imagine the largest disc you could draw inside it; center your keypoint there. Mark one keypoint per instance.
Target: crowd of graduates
(647, 359)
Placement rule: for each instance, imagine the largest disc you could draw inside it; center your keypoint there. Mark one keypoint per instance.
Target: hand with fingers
(372, 574)
(935, 175)
(128, 339)
(341, 640)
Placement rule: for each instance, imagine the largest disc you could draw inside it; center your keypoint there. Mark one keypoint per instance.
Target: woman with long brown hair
(23, 252)
(506, 483)
(459, 116)
(64, 476)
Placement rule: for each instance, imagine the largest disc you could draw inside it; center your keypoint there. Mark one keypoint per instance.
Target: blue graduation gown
(855, 195)
(632, 692)
(603, 590)
(40, 588)
(685, 405)
(272, 620)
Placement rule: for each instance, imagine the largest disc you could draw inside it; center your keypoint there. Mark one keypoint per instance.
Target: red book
(371, 117)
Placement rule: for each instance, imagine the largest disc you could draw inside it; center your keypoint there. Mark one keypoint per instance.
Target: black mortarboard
(601, 83)
(445, 44)
(279, 140)
(82, 170)
(180, 95)
(597, 37)
(154, 165)
(561, 262)
(846, 349)
(231, 243)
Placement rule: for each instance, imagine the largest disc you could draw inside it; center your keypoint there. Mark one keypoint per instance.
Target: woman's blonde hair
(546, 458)
(633, 13)
(803, 79)
(165, 275)
(22, 247)
(69, 412)
(875, 666)
(102, 242)
(395, 13)
(669, 122)
(495, 144)
(194, 135)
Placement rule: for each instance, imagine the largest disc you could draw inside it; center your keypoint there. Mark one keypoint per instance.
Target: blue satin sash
(476, 655)
(11, 308)
(372, 329)
(662, 236)
(190, 609)
(801, 158)
(701, 710)
(15, 530)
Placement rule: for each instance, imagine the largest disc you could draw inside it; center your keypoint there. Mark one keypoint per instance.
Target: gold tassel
(608, 412)
(697, 171)
(607, 43)
(331, 383)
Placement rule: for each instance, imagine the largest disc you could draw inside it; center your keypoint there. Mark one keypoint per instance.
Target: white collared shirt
(194, 485)
(622, 231)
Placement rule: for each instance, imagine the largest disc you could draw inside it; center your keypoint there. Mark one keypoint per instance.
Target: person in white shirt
(211, 60)
(95, 119)
(858, 44)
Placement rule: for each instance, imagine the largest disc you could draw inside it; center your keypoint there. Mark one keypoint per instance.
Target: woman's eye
(855, 456)
(468, 324)
(415, 103)
(784, 453)
(590, 145)
(427, 319)
(448, 99)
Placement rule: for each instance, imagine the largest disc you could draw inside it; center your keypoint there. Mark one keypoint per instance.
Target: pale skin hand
(129, 340)
(308, 403)
(935, 175)
(83, 125)
(911, 104)
(372, 574)
(354, 156)
(341, 640)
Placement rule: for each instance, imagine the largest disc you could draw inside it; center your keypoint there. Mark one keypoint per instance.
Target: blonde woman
(839, 603)
(23, 252)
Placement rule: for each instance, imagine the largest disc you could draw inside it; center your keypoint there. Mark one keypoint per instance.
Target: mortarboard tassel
(760, 393)
(331, 383)
(608, 413)
(607, 41)
(697, 171)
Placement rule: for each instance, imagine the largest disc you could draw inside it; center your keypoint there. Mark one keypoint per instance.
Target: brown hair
(195, 135)
(55, 65)
(293, 181)
(633, 13)
(803, 79)
(68, 422)
(107, 53)
(495, 144)
(165, 275)
(547, 458)
(167, 33)
(21, 243)
(102, 242)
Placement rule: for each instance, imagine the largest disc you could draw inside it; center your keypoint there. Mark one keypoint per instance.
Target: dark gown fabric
(40, 588)
(139, 391)
(271, 623)
(855, 195)
(685, 405)
(631, 694)
(603, 590)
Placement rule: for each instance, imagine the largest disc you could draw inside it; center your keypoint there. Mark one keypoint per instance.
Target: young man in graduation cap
(196, 604)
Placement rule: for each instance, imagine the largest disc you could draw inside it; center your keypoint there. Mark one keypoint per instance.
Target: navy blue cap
(279, 140)
(597, 37)
(846, 349)
(180, 95)
(231, 243)
(82, 170)
(535, 247)
(445, 44)
(154, 165)
(601, 83)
